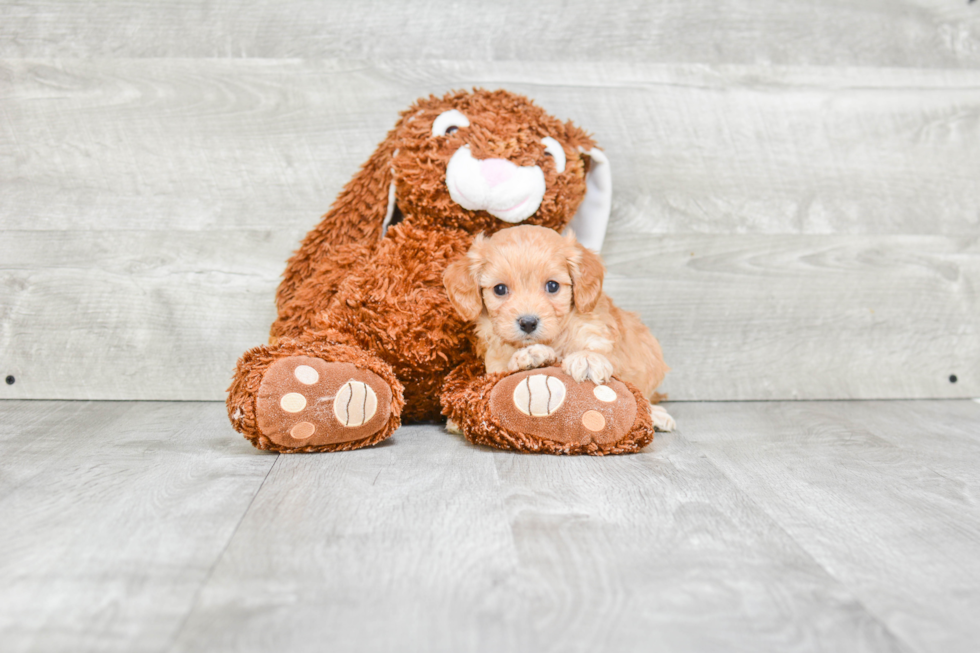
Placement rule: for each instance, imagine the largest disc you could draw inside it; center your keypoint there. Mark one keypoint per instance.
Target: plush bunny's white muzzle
(506, 191)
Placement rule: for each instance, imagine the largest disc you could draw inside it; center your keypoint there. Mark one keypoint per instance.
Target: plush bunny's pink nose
(497, 171)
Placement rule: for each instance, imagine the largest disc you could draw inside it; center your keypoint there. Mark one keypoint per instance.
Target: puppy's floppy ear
(586, 270)
(461, 280)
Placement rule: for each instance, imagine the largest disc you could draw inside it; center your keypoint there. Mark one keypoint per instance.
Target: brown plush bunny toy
(365, 336)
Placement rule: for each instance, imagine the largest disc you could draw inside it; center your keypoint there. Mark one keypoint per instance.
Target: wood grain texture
(938, 434)
(112, 516)
(165, 315)
(806, 317)
(427, 543)
(133, 314)
(914, 33)
(149, 206)
(757, 526)
(190, 144)
(882, 495)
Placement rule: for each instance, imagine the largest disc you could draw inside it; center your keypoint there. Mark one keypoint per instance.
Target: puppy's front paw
(662, 419)
(589, 365)
(531, 357)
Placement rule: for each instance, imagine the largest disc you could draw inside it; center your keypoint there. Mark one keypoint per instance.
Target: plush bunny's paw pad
(305, 401)
(539, 395)
(548, 403)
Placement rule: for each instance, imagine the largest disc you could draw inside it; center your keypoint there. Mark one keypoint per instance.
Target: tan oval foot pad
(303, 430)
(539, 395)
(548, 403)
(305, 401)
(355, 404)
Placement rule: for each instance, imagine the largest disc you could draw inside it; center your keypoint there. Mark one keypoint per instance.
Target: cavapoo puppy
(537, 299)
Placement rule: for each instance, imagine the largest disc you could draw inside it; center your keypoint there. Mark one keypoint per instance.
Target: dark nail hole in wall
(10, 379)
(952, 378)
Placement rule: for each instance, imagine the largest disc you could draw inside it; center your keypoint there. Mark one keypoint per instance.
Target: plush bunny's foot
(547, 411)
(551, 405)
(306, 402)
(306, 394)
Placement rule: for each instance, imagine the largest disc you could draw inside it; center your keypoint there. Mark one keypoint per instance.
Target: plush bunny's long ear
(589, 223)
(390, 217)
(361, 214)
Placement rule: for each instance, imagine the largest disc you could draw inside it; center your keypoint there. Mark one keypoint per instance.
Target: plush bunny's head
(486, 160)
(474, 161)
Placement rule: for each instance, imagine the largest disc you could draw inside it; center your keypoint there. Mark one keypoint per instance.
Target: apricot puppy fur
(537, 299)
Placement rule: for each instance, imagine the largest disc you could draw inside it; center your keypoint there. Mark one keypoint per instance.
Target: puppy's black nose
(528, 323)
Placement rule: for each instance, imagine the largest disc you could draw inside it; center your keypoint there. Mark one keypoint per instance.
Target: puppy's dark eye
(451, 129)
(552, 287)
(547, 153)
(500, 290)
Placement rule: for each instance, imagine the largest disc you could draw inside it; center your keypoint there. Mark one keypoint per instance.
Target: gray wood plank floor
(815, 526)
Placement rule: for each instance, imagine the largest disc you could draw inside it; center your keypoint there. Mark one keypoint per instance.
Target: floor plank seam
(871, 613)
(218, 558)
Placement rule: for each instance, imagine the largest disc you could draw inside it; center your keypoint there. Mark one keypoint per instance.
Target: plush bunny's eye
(448, 122)
(554, 149)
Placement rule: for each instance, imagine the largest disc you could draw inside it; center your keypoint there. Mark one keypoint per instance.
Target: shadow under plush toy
(366, 337)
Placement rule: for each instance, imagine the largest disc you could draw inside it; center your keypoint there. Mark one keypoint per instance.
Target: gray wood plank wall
(912, 33)
(796, 215)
